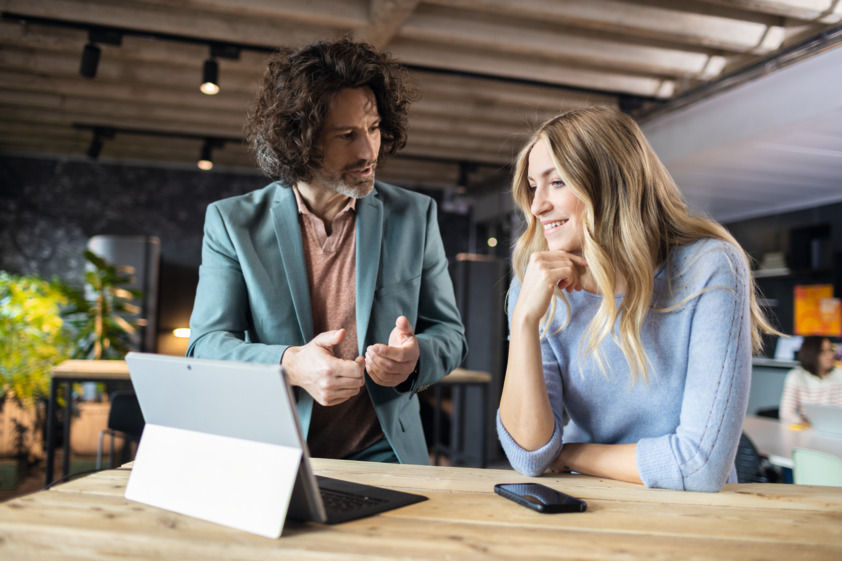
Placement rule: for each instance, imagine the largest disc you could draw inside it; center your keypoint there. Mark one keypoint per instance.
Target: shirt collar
(351, 206)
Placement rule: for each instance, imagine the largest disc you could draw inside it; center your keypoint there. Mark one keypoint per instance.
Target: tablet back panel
(221, 440)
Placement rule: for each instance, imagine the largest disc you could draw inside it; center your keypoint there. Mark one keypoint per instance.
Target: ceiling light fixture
(210, 77)
(105, 132)
(91, 51)
(210, 70)
(90, 60)
(205, 162)
(97, 141)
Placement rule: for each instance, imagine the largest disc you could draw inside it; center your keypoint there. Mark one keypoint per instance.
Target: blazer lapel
(288, 232)
(369, 232)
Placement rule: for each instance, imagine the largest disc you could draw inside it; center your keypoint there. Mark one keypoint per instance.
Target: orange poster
(816, 311)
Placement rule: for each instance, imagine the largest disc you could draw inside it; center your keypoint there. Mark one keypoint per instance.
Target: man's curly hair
(284, 125)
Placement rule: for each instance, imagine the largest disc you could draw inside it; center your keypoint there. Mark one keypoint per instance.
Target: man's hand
(314, 367)
(390, 365)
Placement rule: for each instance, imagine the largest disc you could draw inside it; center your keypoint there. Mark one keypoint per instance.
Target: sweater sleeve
(788, 411)
(535, 462)
(699, 454)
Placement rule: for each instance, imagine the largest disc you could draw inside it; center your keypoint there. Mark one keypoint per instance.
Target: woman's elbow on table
(661, 464)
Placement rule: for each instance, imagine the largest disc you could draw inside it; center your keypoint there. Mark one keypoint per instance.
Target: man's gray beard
(357, 191)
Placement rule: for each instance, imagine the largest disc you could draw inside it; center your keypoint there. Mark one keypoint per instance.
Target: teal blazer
(253, 301)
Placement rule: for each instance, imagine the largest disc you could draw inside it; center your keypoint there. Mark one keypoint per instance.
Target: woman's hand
(546, 271)
(524, 405)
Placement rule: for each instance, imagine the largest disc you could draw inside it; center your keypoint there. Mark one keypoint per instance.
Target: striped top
(802, 387)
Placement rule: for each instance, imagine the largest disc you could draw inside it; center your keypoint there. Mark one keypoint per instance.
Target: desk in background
(68, 373)
(776, 440)
(90, 519)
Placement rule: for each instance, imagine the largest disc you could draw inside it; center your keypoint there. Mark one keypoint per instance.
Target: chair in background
(751, 466)
(812, 467)
(125, 420)
(770, 412)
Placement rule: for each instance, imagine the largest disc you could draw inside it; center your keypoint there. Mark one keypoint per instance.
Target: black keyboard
(338, 501)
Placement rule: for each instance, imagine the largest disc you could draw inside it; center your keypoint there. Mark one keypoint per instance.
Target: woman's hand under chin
(546, 271)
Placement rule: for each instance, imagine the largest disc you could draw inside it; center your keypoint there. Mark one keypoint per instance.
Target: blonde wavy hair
(634, 213)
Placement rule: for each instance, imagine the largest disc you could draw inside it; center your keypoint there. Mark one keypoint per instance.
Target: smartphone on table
(540, 497)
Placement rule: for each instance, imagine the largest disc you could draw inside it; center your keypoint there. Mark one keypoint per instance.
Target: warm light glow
(205, 164)
(492, 242)
(181, 332)
(209, 88)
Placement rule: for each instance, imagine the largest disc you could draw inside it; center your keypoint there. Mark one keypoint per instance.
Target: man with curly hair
(340, 278)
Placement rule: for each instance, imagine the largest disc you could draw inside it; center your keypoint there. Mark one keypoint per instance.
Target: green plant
(103, 315)
(32, 333)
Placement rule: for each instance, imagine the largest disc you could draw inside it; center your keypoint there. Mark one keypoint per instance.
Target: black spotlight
(90, 60)
(95, 148)
(101, 134)
(205, 162)
(210, 77)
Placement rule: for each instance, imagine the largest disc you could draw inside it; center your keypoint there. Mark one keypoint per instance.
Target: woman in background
(649, 352)
(815, 381)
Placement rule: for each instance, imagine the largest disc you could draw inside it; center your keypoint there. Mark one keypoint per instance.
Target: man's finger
(403, 324)
(399, 354)
(329, 339)
(381, 362)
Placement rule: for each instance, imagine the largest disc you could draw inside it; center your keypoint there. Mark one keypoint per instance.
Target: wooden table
(89, 519)
(68, 373)
(776, 440)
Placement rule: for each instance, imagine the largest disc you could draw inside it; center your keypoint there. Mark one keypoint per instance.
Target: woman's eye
(531, 187)
(558, 183)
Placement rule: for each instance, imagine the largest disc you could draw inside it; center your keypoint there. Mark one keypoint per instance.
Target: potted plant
(104, 321)
(43, 323)
(102, 314)
(34, 339)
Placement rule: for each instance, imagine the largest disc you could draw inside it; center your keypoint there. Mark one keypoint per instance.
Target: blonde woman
(635, 317)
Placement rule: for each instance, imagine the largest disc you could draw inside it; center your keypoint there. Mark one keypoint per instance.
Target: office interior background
(104, 125)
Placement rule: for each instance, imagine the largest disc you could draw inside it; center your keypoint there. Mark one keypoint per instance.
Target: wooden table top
(90, 519)
(465, 376)
(100, 369)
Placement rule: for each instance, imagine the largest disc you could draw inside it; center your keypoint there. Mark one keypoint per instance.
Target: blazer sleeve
(439, 329)
(221, 317)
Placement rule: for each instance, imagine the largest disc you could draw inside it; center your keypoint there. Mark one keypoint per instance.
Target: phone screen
(540, 497)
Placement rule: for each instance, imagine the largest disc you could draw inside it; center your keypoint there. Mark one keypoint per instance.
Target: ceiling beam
(532, 38)
(533, 68)
(665, 21)
(818, 11)
(385, 20)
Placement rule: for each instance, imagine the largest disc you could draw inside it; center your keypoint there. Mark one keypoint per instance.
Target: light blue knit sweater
(688, 418)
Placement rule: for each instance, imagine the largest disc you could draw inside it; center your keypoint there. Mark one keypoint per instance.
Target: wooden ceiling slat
(665, 21)
(818, 11)
(183, 20)
(498, 34)
(385, 20)
(540, 69)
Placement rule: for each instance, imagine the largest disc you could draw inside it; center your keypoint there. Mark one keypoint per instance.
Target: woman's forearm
(524, 405)
(614, 461)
